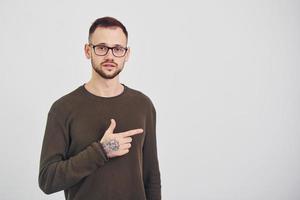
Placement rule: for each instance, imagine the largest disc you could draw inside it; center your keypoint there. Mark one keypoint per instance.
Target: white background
(223, 76)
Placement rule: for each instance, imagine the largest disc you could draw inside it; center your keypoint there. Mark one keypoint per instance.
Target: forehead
(109, 35)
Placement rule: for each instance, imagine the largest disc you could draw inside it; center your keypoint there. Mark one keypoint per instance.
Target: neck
(105, 87)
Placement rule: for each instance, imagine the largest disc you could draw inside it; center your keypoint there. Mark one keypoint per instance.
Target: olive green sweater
(73, 160)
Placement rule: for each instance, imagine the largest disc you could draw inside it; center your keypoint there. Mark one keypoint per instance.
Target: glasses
(102, 50)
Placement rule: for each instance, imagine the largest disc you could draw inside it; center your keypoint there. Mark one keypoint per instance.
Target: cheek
(120, 62)
(97, 61)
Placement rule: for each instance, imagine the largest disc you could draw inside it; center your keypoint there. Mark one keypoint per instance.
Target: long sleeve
(151, 172)
(57, 172)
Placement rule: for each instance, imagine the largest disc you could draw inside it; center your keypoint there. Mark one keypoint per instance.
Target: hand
(117, 144)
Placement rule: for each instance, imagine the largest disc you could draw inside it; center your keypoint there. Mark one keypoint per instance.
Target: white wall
(222, 75)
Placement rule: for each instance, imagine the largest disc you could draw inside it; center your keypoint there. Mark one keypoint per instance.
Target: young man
(100, 139)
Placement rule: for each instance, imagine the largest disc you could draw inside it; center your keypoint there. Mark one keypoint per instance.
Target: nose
(109, 54)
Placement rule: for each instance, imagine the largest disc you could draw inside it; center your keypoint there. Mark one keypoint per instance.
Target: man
(100, 139)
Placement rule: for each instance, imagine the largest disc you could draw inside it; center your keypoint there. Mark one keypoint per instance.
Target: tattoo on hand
(111, 145)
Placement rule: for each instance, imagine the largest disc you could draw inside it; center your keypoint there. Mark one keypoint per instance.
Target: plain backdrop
(223, 76)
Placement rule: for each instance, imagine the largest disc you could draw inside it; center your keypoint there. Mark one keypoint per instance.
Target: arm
(58, 173)
(151, 172)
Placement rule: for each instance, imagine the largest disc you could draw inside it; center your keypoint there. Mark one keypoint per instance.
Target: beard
(101, 71)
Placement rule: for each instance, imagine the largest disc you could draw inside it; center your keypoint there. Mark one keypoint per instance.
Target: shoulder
(141, 97)
(64, 103)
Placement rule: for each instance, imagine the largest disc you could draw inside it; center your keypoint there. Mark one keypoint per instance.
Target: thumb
(111, 127)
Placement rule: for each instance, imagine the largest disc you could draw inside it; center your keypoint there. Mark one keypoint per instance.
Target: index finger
(132, 132)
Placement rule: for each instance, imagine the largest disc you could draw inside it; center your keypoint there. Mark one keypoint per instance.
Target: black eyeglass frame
(108, 48)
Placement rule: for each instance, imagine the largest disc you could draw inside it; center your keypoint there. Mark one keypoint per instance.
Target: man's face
(107, 66)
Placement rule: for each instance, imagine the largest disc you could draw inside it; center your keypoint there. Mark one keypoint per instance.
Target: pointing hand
(117, 144)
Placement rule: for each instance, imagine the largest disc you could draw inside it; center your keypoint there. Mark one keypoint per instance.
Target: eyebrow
(116, 45)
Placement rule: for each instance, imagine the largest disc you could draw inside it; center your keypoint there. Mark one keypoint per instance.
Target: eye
(101, 47)
(119, 49)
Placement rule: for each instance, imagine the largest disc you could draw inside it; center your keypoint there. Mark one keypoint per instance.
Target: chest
(89, 123)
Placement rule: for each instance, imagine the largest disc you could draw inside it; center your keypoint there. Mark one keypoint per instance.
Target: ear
(87, 51)
(127, 54)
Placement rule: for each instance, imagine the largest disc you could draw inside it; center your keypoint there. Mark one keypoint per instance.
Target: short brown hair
(107, 22)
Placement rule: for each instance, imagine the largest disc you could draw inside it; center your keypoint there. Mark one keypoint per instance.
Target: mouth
(109, 65)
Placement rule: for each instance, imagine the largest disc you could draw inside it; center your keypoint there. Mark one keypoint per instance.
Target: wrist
(103, 149)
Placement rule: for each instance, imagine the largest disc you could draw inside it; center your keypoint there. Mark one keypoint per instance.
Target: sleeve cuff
(98, 147)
